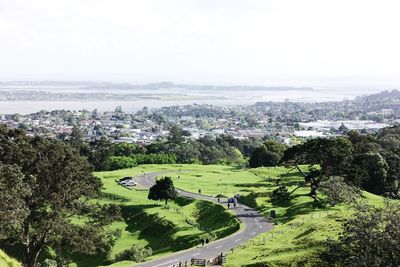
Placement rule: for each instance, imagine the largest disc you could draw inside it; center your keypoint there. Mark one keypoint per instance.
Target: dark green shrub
(135, 253)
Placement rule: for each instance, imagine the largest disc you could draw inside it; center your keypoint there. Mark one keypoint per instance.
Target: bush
(49, 263)
(123, 162)
(135, 253)
(281, 193)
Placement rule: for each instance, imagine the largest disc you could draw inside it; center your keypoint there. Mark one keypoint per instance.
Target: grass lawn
(301, 227)
(6, 261)
(166, 229)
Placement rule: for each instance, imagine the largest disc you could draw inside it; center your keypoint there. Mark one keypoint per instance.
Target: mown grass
(254, 185)
(6, 261)
(166, 229)
(302, 227)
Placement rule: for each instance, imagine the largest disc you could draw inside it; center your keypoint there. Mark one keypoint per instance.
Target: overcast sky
(205, 41)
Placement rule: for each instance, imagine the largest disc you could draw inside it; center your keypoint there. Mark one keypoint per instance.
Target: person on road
(218, 200)
(207, 241)
(202, 242)
(229, 205)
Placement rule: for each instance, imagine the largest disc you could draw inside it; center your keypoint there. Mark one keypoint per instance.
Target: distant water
(222, 98)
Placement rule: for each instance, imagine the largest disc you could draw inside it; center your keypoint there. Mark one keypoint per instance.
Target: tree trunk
(32, 258)
(302, 173)
(314, 187)
(26, 244)
(300, 186)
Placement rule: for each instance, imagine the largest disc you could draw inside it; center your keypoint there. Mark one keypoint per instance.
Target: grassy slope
(181, 225)
(6, 261)
(301, 227)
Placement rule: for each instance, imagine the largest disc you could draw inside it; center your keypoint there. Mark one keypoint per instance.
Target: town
(286, 122)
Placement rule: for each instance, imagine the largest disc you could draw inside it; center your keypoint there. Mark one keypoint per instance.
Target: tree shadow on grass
(88, 260)
(80, 260)
(251, 185)
(156, 230)
(183, 201)
(113, 197)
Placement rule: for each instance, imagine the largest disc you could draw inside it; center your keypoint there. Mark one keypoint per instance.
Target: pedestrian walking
(229, 205)
(202, 242)
(218, 200)
(207, 241)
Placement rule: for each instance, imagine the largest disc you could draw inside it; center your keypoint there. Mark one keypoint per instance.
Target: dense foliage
(370, 238)
(134, 253)
(106, 155)
(42, 185)
(370, 162)
(163, 190)
(269, 154)
(123, 162)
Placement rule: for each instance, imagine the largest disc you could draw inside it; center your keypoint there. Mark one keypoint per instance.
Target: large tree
(369, 171)
(332, 155)
(269, 153)
(370, 238)
(163, 190)
(42, 184)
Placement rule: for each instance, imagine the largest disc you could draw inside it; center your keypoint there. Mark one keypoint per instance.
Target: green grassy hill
(166, 229)
(301, 227)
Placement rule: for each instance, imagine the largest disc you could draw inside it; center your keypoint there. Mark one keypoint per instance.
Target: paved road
(254, 225)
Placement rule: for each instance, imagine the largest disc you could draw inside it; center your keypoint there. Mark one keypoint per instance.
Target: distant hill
(152, 86)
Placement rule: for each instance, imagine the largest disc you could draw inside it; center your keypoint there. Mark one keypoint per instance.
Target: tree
(332, 155)
(269, 153)
(44, 183)
(97, 152)
(126, 149)
(338, 191)
(134, 253)
(12, 194)
(370, 238)
(163, 190)
(369, 171)
(176, 135)
(76, 137)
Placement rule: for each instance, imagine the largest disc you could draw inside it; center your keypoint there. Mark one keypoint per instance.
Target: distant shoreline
(13, 85)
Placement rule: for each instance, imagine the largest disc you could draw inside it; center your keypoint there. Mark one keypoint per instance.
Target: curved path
(254, 225)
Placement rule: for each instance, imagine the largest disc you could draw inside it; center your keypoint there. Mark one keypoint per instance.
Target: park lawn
(7, 261)
(166, 229)
(302, 225)
(297, 241)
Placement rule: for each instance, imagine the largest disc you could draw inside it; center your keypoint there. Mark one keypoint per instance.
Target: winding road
(254, 225)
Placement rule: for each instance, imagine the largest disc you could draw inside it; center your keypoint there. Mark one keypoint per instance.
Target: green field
(166, 229)
(301, 225)
(252, 184)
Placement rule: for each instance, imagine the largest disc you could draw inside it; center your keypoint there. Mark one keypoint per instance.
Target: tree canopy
(163, 190)
(269, 153)
(370, 238)
(42, 184)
